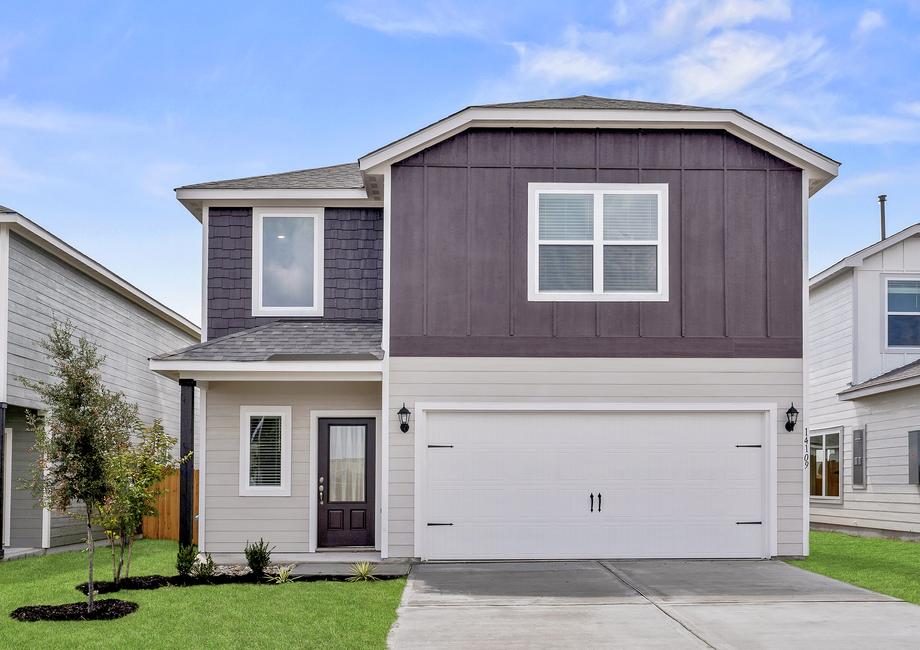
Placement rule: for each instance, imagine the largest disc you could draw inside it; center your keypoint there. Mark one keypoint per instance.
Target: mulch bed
(103, 610)
(157, 581)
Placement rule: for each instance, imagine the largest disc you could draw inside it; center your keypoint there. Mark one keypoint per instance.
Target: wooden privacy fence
(166, 524)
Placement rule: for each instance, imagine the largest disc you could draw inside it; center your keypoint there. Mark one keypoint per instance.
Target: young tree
(83, 426)
(135, 472)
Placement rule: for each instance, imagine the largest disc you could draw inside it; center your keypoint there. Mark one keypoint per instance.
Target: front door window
(347, 462)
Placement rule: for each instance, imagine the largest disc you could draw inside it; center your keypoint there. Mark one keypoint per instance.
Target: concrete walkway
(645, 604)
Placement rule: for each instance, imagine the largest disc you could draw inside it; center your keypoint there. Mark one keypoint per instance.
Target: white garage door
(542, 485)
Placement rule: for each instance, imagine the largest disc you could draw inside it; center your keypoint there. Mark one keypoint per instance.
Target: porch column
(187, 469)
(2, 477)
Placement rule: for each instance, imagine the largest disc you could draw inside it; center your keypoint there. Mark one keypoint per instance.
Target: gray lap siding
(353, 268)
(459, 247)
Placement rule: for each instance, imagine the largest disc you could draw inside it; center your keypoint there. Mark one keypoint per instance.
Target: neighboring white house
(864, 389)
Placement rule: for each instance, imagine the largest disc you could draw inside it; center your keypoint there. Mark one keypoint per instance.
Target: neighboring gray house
(567, 328)
(864, 390)
(42, 279)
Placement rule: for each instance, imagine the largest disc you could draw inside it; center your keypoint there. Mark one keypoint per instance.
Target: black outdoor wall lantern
(792, 416)
(403, 415)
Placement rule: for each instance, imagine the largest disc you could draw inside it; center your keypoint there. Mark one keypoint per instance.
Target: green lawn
(885, 565)
(314, 614)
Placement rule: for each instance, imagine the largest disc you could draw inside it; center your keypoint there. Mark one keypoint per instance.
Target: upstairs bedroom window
(903, 312)
(598, 242)
(287, 262)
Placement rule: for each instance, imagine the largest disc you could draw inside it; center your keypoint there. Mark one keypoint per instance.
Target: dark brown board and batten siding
(459, 247)
(353, 261)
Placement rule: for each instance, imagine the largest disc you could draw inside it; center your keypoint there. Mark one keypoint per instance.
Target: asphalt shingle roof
(589, 101)
(289, 340)
(907, 371)
(344, 177)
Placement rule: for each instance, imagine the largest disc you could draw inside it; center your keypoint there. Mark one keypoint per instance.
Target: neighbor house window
(824, 463)
(287, 262)
(265, 451)
(903, 316)
(598, 242)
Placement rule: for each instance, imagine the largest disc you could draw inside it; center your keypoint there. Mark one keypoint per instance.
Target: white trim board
(7, 486)
(205, 244)
(202, 455)
(822, 169)
(768, 410)
(381, 511)
(346, 370)
(256, 194)
(4, 308)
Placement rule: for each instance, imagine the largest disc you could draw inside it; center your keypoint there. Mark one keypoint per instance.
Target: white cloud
(555, 65)
(701, 16)
(438, 18)
(735, 61)
(49, 118)
(909, 108)
(869, 21)
(860, 128)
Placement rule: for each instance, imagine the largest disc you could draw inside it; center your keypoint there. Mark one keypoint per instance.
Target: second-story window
(287, 262)
(903, 315)
(598, 242)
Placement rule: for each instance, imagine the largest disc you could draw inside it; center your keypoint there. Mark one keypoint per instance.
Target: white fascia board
(37, 235)
(878, 389)
(346, 370)
(251, 195)
(821, 168)
(856, 259)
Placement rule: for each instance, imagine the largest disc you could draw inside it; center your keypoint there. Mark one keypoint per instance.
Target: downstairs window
(824, 463)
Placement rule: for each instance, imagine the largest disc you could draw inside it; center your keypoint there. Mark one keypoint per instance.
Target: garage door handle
(598, 501)
(592, 502)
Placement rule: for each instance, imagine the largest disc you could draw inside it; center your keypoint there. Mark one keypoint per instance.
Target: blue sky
(104, 109)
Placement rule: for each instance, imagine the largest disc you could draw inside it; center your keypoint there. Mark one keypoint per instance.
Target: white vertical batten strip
(203, 458)
(205, 214)
(806, 503)
(385, 383)
(4, 307)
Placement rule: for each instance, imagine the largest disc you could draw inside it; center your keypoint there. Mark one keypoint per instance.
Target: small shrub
(258, 556)
(362, 572)
(186, 559)
(204, 570)
(284, 575)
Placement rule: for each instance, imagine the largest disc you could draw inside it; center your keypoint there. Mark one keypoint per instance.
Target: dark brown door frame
(346, 523)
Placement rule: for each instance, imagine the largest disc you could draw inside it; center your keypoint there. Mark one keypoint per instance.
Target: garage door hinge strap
(438, 524)
(440, 446)
(750, 446)
(749, 523)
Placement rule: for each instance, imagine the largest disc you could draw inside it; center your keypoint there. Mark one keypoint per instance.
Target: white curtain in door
(346, 462)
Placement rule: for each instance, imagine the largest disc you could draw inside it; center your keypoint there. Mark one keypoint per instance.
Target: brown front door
(346, 482)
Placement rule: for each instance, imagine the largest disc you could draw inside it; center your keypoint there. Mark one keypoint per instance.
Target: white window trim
(318, 215)
(598, 242)
(247, 490)
(885, 314)
(821, 433)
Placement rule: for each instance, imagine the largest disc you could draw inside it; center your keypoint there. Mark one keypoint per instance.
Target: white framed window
(597, 242)
(265, 451)
(902, 313)
(287, 262)
(824, 463)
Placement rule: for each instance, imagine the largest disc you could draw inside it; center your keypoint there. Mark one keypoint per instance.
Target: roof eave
(856, 392)
(821, 169)
(326, 370)
(53, 245)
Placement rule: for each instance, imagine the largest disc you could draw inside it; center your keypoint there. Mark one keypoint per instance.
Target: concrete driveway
(645, 604)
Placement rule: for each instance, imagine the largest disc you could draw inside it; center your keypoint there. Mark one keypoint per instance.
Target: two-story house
(42, 280)
(567, 328)
(864, 389)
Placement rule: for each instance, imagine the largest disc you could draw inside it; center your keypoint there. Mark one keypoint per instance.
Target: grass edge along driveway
(888, 566)
(301, 614)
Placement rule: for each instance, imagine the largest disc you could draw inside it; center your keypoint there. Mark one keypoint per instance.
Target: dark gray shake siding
(353, 267)
(459, 247)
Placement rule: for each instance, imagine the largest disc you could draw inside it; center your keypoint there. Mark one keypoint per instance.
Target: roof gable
(859, 257)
